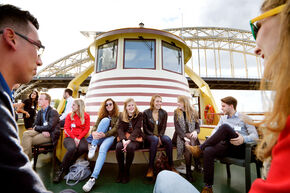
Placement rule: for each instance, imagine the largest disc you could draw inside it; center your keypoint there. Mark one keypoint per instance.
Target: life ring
(209, 114)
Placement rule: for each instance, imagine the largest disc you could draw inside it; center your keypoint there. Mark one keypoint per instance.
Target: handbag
(78, 172)
(161, 163)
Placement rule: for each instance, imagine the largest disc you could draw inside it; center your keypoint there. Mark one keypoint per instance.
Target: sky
(62, 20)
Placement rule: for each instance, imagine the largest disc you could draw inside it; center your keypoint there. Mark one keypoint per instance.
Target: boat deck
(139, 184)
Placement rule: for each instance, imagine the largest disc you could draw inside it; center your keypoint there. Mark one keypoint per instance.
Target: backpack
(78, 172)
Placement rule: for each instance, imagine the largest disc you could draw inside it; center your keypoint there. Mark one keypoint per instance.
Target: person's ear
(9, 37)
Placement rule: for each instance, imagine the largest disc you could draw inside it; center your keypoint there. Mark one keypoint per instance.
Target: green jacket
(114, 125)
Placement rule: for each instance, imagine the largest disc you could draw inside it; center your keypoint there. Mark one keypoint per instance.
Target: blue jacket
(16, 174)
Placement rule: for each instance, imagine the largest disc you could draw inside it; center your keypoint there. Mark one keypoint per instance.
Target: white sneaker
(90, 183)
(92, 151)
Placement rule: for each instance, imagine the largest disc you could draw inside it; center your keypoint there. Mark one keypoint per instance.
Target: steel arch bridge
(215, 48)
(218, 54)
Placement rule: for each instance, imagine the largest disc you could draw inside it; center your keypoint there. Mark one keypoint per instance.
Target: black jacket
(148, 122)
(53, 127)
(16, 174)
(123, 127)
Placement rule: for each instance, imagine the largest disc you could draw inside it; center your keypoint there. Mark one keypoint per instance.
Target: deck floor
(139, 184)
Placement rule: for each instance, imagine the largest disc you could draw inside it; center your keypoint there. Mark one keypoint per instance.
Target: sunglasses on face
(40, 47)
(109, 104)
(256, 26)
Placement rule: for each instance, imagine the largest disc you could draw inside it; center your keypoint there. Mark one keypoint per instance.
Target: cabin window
(107, 56)
(139, 53)
(171, 57)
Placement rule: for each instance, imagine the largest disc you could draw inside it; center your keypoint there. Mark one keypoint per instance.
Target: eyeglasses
(109, 104)
(40, 47)
(255, 28)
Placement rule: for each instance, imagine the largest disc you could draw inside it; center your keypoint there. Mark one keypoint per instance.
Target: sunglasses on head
(255, 28)
(109, 104)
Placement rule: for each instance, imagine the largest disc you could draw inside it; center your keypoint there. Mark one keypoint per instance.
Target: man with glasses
(19, 59)
(20, 50)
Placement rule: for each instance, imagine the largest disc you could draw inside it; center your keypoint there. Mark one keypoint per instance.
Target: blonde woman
(272, 33)
(76, 127)
(130, 137)
(186, 127)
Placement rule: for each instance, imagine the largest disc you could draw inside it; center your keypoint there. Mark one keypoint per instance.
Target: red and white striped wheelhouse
(140, 84)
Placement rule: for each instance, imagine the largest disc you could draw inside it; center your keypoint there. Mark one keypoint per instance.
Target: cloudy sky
(62, 20)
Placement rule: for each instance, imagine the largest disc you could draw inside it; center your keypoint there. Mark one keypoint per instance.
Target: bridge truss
(221, 52)
(217, 53)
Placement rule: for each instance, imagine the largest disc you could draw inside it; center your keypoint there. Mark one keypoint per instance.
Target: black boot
(189, 174)
(58, 175)
(197, 165)
(120, 177)
(126, 175)
(121, 173)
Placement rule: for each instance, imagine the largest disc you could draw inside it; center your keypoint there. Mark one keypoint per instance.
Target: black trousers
(131, 147)
(62, 122)
(217, 146)
(73, 152)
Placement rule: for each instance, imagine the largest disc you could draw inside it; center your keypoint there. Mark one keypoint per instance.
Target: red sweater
(74, 128)
(278, 179)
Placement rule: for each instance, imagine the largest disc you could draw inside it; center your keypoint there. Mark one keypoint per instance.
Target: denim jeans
(171, 182)
(102, 127)
(104, 143)
(153, 142)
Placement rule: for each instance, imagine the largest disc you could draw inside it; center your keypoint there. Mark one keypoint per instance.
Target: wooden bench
(145, 150)
(61, 150)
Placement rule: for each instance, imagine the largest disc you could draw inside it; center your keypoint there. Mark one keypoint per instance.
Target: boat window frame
(162, 54)
(124, 52)
(97, 58)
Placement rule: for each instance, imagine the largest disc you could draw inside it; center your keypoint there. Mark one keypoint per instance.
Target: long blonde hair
(125, 116)
(81, 110)
(188, 109)
(276, 77)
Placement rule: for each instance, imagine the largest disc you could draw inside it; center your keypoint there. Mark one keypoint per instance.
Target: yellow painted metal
(205, 130)
(61, 106)
(75, 83)
(206, 95)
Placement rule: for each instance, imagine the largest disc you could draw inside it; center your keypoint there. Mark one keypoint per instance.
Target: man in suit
(46, 126)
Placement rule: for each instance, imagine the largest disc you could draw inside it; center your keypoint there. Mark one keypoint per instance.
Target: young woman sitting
(103, 135)
(76, 127)
(130, 137)
(154, 126)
